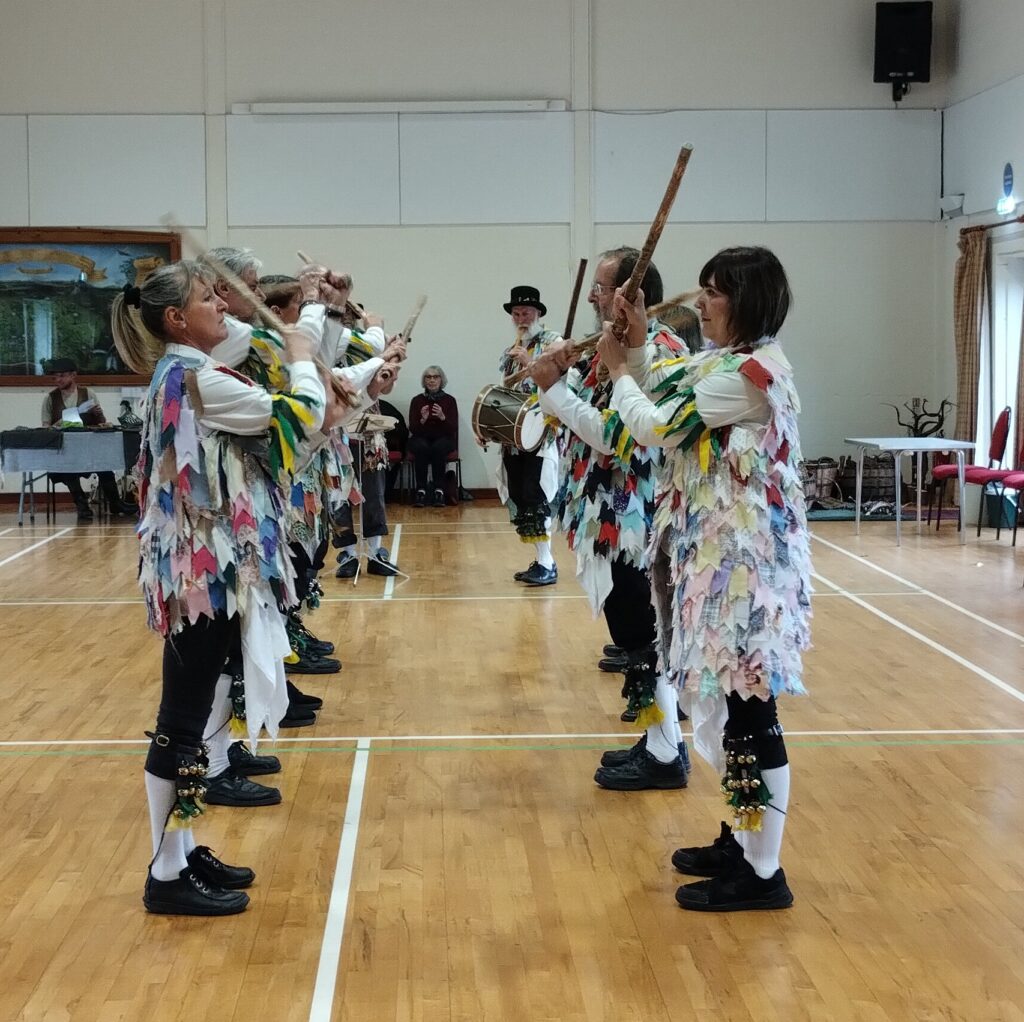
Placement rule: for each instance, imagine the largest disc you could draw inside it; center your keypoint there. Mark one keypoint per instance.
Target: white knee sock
(543, 548)
(218, 728)
(350, 551)
(169, 849)
(373, 544)
(761, 848)
(663, 739)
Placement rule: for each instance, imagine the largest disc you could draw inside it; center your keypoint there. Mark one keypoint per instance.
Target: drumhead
(530, 429)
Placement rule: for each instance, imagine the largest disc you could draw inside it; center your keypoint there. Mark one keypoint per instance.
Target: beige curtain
(970, 299)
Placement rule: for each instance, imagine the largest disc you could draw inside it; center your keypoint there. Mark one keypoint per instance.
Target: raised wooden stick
(589, 343)
(653, 235)
(571, 318)
(407, 330)
(245, 292)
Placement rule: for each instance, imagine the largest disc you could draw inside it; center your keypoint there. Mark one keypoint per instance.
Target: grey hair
(140, 337)
(237, 260)
(436, 369)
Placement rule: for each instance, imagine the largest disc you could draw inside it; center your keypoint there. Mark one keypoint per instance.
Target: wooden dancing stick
(653, 235)
(571, 318)
(350, 306)
(245, 292)
(589, 343)
(406, 334)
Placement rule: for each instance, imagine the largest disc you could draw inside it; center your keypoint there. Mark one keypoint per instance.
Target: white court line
(334, 928)
(931, 643)
(389, 585)
(462, 532)
(925, 592)
(7, 530)
(324, 739)
(29, 549)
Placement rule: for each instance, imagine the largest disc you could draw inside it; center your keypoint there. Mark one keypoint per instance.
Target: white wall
(841, 184)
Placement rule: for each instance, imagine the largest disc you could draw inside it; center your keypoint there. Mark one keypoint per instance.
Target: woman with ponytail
(214, 562)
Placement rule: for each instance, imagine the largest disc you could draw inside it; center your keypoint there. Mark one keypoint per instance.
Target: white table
(898, 446)
(83, 452)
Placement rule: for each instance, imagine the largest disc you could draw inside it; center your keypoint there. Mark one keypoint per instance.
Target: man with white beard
(528, 481)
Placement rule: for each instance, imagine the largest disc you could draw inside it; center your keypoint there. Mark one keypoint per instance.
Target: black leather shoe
(209, 868)
(628, 716)
(124, 509)
(613, 664)
(190, 895)
(304, 703)
(520, 576)
(229, 789)
(438, 500)
(85, 514)
(379, 564)
(641, 772)
(741, 891)
(298, 716)
(348, 567)
(318, 647)
(246, 763)
(616, 757)
(722, 857)
(420, 499)
(310, 664)
(538, 575)
(612, 650)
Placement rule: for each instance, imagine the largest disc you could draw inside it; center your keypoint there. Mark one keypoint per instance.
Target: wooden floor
(442, 852)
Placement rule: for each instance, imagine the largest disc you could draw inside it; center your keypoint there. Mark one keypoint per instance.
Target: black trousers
(373, 515)
(193, 661)
(432, 454)
(628, 610)
(73, 481)
(758, 719)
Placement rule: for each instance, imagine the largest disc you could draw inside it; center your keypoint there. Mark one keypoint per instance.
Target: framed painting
(56, 289)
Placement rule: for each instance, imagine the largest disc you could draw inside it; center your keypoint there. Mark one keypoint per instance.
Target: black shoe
(310, 664)
(229, 789)
(301, 701)
(124, 509)
(629, 716)
(319, 647)
(613, 664)
(741, 891)
(298, 716)
(521, 576)
(85, 515)
(538, 575)
(378, 564)
(721, 858)
(210, 869)
(439, 500)
(616, 757)
(680, 716)
(246, 763)
(348, 566)
(420, 500)
(190, 895)
(612, 650)
(641, 772)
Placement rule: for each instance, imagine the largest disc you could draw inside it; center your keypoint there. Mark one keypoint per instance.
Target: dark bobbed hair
(279, 289)
(626, 257)
(755, 283)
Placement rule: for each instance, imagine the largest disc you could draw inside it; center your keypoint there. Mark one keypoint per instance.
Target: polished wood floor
(461, 865)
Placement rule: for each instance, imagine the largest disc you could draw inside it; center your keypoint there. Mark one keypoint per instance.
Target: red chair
(406, 479)
(1012, 481)
(976, 474)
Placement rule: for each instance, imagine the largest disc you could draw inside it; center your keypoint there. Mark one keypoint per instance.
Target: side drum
(508, 417)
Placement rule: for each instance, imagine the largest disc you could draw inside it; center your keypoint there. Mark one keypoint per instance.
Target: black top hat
(523, 294)
(63, 365)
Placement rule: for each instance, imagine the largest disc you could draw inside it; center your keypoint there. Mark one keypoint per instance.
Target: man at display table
(70, 404)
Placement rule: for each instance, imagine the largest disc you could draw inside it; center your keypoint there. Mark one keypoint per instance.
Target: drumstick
(350, 306)
(571, 318)
(242, 289)
(407, 331)
(589, 343)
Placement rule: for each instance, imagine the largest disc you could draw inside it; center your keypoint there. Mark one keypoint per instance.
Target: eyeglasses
(602, 289)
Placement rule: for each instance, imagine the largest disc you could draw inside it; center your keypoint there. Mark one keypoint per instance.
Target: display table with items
(36, 453)
(899, 446)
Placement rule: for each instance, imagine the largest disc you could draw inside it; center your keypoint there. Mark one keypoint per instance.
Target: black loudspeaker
(903, 42)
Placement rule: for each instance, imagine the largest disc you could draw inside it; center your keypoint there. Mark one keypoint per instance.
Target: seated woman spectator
(433, 433)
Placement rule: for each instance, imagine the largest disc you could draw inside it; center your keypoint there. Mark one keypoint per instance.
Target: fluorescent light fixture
(407, 107)
(1007, 204)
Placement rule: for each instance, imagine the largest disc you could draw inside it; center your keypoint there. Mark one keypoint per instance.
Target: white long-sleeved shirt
(234, 350)
(233, 405)
(723, 399)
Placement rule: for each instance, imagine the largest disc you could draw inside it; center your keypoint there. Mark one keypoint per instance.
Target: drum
(508, 417)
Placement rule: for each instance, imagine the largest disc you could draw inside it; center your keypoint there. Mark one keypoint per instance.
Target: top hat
(63, 365)
(523, 294)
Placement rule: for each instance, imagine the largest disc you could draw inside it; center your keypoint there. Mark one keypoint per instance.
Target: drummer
(528, 481)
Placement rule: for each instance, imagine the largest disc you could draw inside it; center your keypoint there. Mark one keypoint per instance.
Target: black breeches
(628, 610)
(759, 719)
